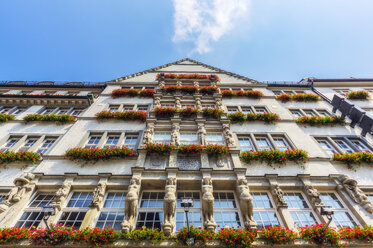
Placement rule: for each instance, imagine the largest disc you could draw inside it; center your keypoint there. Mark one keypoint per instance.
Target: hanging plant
(238, 238)
(237, 117)
(147, 93)
(363, 233)
(159, 148)
(321, 120)
(191, 149)
(299, 97)
(5, 117)
(228, 93)
(208, 90)
(171, 89)
(212, 113)
(95, 154)
(316, 234)
(354, 160)
(216, 150)
(166, 112)
(62, 118)
(124, 92)
(132, 115)
(189, 112)
(275, 156)
(357, 95)
(278, 235)
(9, 157)
(188, 89)
(254, 94)
(266, 117)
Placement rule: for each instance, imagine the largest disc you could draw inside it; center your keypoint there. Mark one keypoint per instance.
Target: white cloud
(205, 21)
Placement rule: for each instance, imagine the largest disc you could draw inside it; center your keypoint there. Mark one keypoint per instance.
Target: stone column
(169, 205)
(131, 203)
(208, 203)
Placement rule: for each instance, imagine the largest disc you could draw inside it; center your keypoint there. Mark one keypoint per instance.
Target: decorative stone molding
(179, 83)
(202, 133)
(219, 102)
(246, 203)
(228, 135)
(198, 103)
(131, 203)
(61, 195)
(313, 195)
(175, 134)
(177, 102)
(162, 83)
(98, 195)
(157, 101)
(169, 206)
(22, 184)
(278, 194)
(208, 204)
(356, 194)
(196, 83)
(148, 133)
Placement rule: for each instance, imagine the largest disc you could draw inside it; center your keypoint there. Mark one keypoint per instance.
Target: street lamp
(187, 203)
(48, 212)
(328, 212)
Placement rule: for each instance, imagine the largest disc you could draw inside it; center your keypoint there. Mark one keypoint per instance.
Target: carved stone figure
(22, 185)
(202, 133)
(169, 206)
(157, 101)
(61, 195)
(178, 83)
(213, 83)
(195, 83)
(356, 194)
(175, 134)
(148, 134)
(246, 203)
(219, 103)
(208, 204)
(279, 196)
(198, 103)
(177, 102)
(228, 135)
(313, 194)
(162, 83)
(98, 195)
(131, 203)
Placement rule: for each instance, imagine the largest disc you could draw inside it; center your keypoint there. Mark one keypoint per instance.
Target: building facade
(146, 189)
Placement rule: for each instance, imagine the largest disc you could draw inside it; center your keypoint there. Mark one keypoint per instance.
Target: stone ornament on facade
(178, 102)
(98, 196)
(228, 135)
(208, 204)
(356, 194)
(219, 103)
(198, 103)
(131, 202)
(162, 83)
(202, 133)
(61, 195)
(313, 195)
(246, 203)
(179, 83)
(196, 83)
(157, 101)
(169, 206)
(22, 184)
(279, 196)
(148, 134)
(175, 134)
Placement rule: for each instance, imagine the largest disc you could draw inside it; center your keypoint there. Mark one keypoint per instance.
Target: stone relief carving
(228, 135)
(162, 84)
(356, 194)
(131, 203)
(179, 83)
(157, 101)
(188, 162)
(219, 103)
(313, 194)
(98, 195)
(208, 204)
(148, 134)
(202, 133)
(175, 134)
(177, 102)
(198, 103)
(195, 83)
(246, 203)
(61, 195)
(169, 206)
(278, 196)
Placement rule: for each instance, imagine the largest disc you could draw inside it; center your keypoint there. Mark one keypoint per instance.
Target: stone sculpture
(175, 134)
(313, 194)
(202, 133)
(177, 102)
(246, 203)
(157, 101)
(198, 103)
(228, 135)
(61, 195)
(169, 206)
(98, 195)
(148, 134)
(208, 204)
(131, 203)
(279, 196)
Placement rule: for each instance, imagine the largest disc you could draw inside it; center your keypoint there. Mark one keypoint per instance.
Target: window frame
(116, 210)
(272, 202)
(147, 210)
(227, 210)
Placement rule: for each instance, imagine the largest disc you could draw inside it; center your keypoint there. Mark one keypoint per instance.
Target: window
(264, 212)
(131, 141)
(343, 146)
(151, 210)
(342, 91)
(28, 144)
(360, 145)
(111, 141)
(18, 110)
(246, 110)
(112, 213)
(323, 113)
(208, 105)
(279, 92)
(33, 214)
(47, 111)
(165, 105)
(189, 138)
(62, 111)
(194, 213)
(260, 110)
(310, 113)
(341, 217)
(215, 138)
(296, 113)
(226, 210)
(299, 209)
(184, 106)
(162, 137)
(263, 143)
(76, 209)
(142, 108)
(232, 109)
(93, 141)
(6, 110)
(246, 143)
(127, 107)
(281, 143)
(46, 145)
(76, 112)
(114, 108)
(328, 148)
(9, 144)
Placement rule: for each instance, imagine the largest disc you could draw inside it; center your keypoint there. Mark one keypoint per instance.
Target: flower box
(256, 94)
(277, 235)
(354, 160)
(216, 150)
(266, 117)
(275, 156)
(161, 149)
(188, 76)
(208, 90)
(166, 112)
(4, 117)
(132, 93)
(212, 113)
(189, 112)
(316, 234)
(321, 120)
(62, 118)
(95, 154)
(191, 149)
(299, 97)
(9, 157)
(364, 233)
(357, 95)
(228, 93)
(131, 115)
(188, 89)
(169, 89)
(237, 117)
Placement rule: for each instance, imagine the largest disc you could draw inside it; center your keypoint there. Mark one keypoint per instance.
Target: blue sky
(95, 40)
